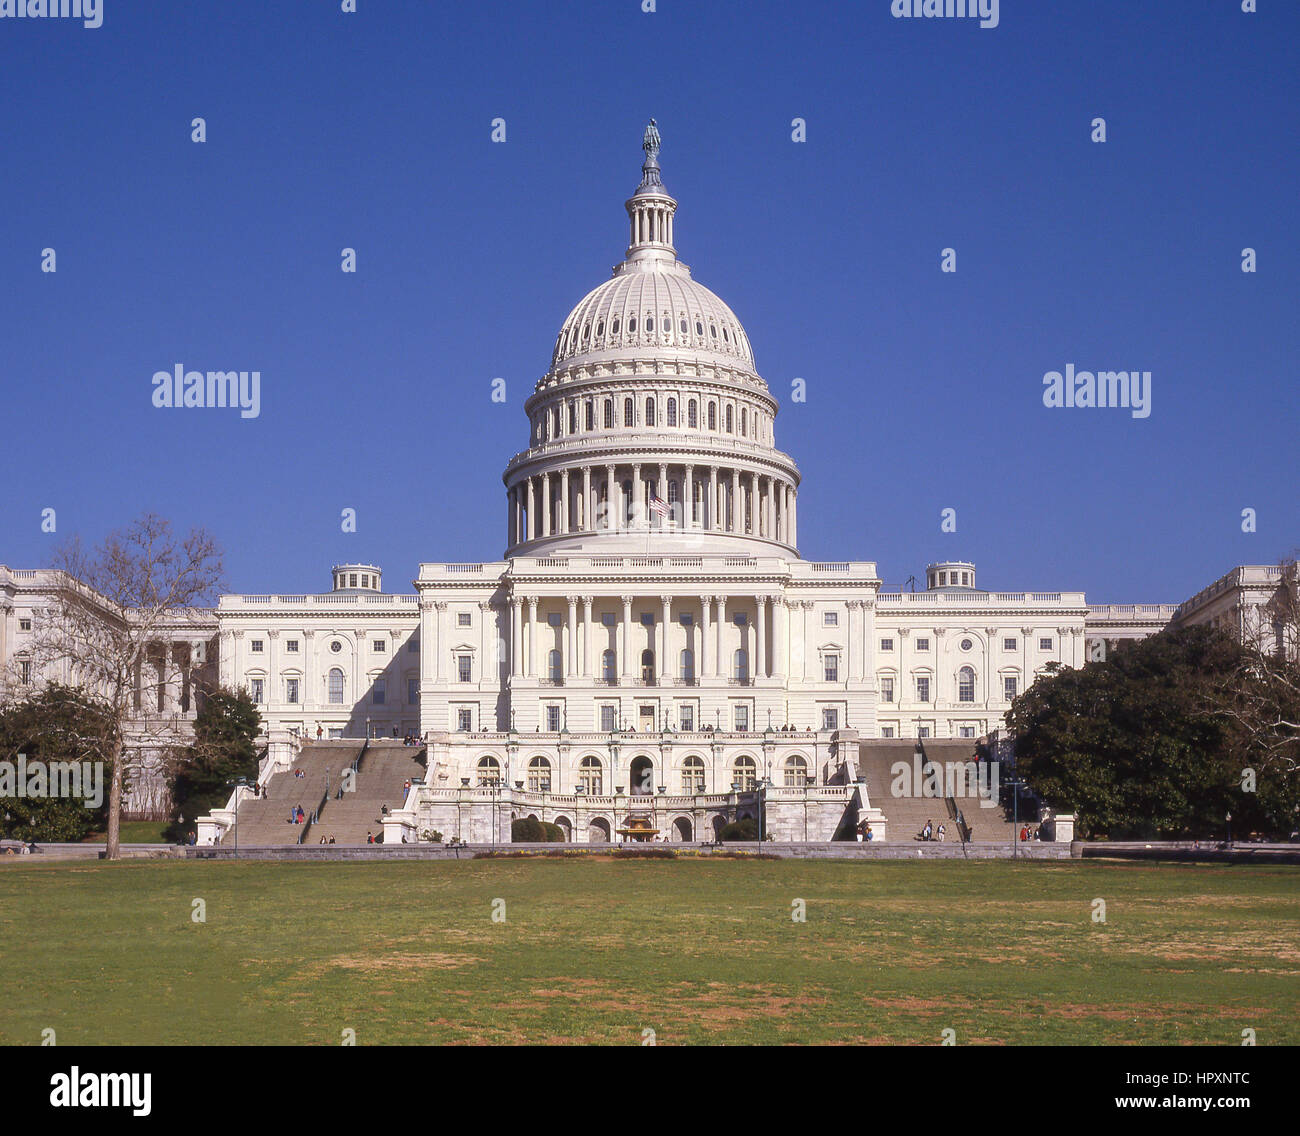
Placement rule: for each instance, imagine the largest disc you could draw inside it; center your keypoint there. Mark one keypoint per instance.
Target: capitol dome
(652, 425)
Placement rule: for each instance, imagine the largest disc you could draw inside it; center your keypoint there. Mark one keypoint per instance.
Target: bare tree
(1262, 696)
(117, 623)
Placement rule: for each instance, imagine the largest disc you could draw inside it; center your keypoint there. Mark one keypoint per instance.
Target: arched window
(692, 415)
(740, 665)
(608, 670)
(650, 324)
(631, 325)
(649, 412)
(744, 774)
(693, 775)
(336, 686)
(557, 423)
(591, 415)
(573, 418)
(589, 776)
(539, 775)
(614, 328)
(600, 328)
(648, 667)
(555, 666)
(682, 325)
(713, 331)
(672, 412)
(699, 328)
(796, 771)
(744, 424)
(609, 414)
(713, 416)
(966, 685)
(489, 771)
(730, 421)
(687, 665)
(629, 412)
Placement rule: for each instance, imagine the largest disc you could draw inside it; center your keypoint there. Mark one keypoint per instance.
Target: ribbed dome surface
(657, 306)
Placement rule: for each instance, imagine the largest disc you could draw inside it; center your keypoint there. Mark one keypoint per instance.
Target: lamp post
(1228, 818)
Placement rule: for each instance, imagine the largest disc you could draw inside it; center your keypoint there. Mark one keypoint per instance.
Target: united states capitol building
(650, 644)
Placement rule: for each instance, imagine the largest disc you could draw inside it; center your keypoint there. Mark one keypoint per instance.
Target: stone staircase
(906, 815)
(265, 821)
(381, 778)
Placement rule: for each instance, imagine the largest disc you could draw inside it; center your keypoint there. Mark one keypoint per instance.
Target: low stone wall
(1188, 851)
(95, 852)
(837, 850)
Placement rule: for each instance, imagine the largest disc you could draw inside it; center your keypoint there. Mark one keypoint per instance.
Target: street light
(1228, 818)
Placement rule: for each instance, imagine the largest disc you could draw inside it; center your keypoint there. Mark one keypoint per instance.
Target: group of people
(864, 833)
(929, 832)
(331, 840)
(296, 815)
(1030, 832)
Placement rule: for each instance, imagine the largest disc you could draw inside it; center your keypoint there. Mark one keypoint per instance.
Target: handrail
(314, 815)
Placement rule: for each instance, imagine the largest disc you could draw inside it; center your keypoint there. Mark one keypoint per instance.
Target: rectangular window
(379, 692)
(553, 719)
(413, 691)
(686, 619)
(887, 731)
(608, 719)
(378, 646)
(923, 644)
(609, 618)
(923, 732)
(830, 619)
(922, 688)
(1008, 644)
(462, 619)
(464, 720)
(24, 625)
(830, 718)
(255, 689)
(647, 619)
(1044, 644)
(257, 646)
(365, 579)
(291, 646)
(25, 672)
(555, 619)
(886, 644)
(887, 690)
(1009, 687)
(464, 667)
(740, 619)
(965, 731)
(742, 719)
(291, 690)
(832, 666)
(352, 580)
(686, 718)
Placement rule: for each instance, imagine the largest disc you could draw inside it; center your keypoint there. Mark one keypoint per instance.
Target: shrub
(746, 829)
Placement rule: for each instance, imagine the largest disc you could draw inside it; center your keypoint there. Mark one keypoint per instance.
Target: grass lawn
(134, 832)
(698, 951)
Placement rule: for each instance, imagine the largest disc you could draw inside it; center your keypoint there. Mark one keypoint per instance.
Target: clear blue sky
(372, 131)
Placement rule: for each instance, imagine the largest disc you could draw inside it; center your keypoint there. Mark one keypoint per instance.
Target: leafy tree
(224, 749)
(55, 724)
(1134, 744)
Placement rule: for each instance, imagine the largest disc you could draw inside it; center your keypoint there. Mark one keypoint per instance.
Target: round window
(336, 646)
(966, 644)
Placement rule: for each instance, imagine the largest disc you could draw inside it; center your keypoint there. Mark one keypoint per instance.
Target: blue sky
(372, 130)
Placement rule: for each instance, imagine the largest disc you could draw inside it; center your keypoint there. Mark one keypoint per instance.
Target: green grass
(596, 951)
(135, 832)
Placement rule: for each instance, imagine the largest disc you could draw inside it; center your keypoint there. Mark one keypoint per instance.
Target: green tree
(224, 749)
(55, 724)
(1134, 744)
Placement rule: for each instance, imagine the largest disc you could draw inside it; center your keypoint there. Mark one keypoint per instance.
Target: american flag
(658, 507)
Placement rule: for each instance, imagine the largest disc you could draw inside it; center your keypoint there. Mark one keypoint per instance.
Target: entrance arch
(642, 775)
(682, 830)
(598, 831)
